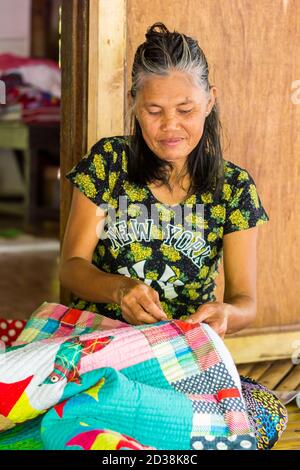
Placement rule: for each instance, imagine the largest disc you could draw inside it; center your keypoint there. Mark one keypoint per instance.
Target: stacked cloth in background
(78, 380)
(33, 89)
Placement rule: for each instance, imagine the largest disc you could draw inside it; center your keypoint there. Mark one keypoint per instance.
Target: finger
(127, 315)
(218, 330)
(157, 301)
(137, 315)
(156, 298)
(203, 313)
(152, 309)
(196, 318)
(143, 317)
(164, 315)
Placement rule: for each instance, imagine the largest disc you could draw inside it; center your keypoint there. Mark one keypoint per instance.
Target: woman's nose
(169, 122)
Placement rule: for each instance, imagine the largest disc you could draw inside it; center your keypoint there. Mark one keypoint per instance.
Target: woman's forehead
(181, 101)
(176, 88)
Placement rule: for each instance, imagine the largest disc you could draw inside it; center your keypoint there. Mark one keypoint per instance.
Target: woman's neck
(179, 176)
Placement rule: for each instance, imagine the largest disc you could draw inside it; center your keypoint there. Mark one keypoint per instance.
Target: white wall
(15, 18)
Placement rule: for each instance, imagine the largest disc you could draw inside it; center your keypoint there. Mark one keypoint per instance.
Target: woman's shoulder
(116, 143)
(235, 174)
(111, 152)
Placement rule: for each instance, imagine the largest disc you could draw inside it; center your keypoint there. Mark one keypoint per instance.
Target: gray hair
(164, 52)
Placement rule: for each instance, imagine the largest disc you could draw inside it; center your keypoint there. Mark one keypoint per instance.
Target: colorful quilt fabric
(25, 436)
(267, 414)
(103, 384)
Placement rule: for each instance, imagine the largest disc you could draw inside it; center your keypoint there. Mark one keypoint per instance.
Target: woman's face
(171, 111)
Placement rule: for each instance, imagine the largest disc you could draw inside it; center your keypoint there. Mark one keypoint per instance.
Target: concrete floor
(28, 267)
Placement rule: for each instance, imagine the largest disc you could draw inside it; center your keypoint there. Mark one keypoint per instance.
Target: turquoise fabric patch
(135, 409)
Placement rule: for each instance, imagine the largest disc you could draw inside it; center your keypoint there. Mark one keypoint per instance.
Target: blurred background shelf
(36, 147)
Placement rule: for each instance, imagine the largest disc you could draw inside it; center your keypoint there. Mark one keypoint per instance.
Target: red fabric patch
(185, 326)
(10, 330)
(10, 394)
(228, 393)
(60, 408)
(71, 317)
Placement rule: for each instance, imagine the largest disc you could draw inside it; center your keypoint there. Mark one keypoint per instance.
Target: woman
(169, 205)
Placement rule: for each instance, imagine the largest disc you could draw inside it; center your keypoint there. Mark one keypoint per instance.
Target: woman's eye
(182, 111)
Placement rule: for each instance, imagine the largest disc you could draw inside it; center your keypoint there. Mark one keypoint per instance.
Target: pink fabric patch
(237, 422)
(129, 347)
(210, 359)
(205, 397)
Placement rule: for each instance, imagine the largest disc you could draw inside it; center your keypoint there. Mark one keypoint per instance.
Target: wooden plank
(294, 417)
(290, 444)
(291, 382)
(263, 347)
(292, 407)
(293, 427)
(290, 439)
(40, 25)
(93, 72)
(107, 69)
(74, 62)
(244, 369)
(274, 375)
(259, 369)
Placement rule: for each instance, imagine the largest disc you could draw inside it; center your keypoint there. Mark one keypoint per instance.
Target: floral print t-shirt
(174, 249)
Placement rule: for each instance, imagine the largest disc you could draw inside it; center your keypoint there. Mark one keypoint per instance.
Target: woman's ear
(213, 93)
(129, 98)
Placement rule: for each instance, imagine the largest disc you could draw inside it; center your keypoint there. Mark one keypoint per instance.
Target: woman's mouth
(171, 142)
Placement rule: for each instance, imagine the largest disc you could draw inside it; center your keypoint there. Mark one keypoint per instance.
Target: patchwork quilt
(80, 380)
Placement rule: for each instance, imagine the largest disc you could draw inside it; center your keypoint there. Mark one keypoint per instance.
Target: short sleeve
(245, 209)
(92, 174)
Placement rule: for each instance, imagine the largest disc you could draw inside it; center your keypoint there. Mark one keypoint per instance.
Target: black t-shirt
(174, 249)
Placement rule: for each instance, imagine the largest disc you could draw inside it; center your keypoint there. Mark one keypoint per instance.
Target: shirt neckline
(157, 201)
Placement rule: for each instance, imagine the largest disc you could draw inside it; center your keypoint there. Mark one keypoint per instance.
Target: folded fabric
(170, 385)
(44, 74)
(26, 100)
(26, 436)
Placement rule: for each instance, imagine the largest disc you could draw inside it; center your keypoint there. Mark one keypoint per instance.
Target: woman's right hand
(140, 303)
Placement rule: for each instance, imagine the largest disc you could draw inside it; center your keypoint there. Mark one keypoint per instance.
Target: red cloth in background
(12, 61)
(33, 89)
(10, 330)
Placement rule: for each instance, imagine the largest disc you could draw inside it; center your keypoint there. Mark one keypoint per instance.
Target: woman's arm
(238, 308)
(77, 272)
(139, 302)
(239, 256)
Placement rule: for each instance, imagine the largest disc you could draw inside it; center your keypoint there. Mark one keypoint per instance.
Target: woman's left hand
(215, 314)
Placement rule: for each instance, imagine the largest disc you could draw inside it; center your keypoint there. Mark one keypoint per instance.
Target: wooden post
(74, 63)
(107, 69)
